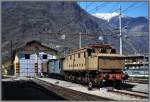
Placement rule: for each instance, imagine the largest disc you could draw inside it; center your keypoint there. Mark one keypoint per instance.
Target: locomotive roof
(92, 46)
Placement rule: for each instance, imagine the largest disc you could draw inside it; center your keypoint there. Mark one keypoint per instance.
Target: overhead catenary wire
(75, 19)
(101, 7)
(100, 24)
(97, 9)
(111, 9)
(130, 6)
(72, 20)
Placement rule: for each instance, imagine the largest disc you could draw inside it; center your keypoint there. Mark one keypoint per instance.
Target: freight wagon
(55, 68)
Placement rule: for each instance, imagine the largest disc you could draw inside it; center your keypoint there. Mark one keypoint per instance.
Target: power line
(130, 6)
(103, 5)
(75, 19)
(101, 23)
(111, 9)
(90, 4)
(72, 20)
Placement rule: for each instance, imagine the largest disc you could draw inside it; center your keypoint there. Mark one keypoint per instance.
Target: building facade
(31, 60)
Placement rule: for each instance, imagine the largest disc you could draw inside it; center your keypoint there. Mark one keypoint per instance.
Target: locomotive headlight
(103, 81)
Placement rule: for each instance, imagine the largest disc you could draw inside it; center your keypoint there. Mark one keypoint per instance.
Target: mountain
(46, 22)
(134, 31)
(59, 23)
(132, 23)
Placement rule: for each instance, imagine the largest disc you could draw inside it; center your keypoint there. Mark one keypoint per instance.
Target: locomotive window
(93, 50)
(89, 51)
(27, 56)
(44, 56)
(113, 51)
(103, 50)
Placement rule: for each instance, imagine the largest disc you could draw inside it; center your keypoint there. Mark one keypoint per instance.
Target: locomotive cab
(109, 63)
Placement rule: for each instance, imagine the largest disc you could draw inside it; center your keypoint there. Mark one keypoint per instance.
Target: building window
(133, 60)
(44, 56)
(84, 54)
(70, 57)
(78, 55)
(27, 56)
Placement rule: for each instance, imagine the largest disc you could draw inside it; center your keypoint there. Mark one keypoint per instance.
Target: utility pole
(11, 55)
(120, 30)
(11, 52)
(79, 39)
(144, 62)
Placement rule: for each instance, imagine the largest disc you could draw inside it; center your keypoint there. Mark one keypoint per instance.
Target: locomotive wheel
(114, 83)
(119, 84)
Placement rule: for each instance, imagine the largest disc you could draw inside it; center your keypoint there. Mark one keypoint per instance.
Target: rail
(131, 93)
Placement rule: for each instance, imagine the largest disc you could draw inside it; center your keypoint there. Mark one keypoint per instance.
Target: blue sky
(133, 9)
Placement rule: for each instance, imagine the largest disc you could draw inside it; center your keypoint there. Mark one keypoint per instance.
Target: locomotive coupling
(125, 76)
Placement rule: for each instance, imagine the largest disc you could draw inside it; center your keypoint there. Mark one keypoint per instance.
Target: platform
(139, 87)
(83, 89)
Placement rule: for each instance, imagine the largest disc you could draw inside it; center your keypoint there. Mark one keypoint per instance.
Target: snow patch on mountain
(105, 16)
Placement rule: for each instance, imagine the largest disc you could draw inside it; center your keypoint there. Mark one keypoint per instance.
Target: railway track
(140, 92)
(135, 94)
(141, 81)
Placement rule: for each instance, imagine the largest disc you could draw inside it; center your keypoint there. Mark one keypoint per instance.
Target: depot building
(31, 59)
